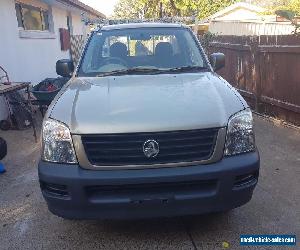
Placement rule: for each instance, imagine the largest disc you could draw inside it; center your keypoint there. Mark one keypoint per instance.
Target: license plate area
(151, 193)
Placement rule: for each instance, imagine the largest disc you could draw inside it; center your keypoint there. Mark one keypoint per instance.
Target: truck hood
(146, 103)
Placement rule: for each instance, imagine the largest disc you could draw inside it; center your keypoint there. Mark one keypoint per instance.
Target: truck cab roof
(142, 25)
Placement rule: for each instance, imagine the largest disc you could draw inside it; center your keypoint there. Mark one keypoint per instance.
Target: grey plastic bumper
(72, 192)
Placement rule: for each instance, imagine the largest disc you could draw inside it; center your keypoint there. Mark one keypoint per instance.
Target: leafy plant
(152, 8)
(291, 16)
(129, 9)
(206, 39)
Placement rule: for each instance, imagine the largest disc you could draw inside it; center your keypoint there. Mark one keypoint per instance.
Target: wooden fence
(250, 28)
(265, 70)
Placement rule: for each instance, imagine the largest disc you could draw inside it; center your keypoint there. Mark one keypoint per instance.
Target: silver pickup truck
(146, 128)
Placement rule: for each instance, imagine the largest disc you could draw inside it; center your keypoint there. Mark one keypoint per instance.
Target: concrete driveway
(25, 222)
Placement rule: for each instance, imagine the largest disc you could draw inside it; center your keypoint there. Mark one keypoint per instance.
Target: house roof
(84, 7)
(232, 7)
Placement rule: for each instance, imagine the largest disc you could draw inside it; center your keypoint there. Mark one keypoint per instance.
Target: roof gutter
(78, 5)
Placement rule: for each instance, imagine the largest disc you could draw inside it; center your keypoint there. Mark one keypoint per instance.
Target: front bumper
(73, 192)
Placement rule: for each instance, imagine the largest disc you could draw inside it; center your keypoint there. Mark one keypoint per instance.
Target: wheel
(5, 125)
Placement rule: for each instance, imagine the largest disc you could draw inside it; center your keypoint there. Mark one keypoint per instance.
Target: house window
(32, 18)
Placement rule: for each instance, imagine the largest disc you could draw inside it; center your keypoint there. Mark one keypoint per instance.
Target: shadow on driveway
(25, 222)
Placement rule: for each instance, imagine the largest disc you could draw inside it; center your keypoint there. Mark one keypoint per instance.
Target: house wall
(78, 27)
(250, 28)
(240, 14)
(28, 59)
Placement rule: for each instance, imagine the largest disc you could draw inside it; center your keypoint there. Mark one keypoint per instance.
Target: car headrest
(118, 49)
(163, 49)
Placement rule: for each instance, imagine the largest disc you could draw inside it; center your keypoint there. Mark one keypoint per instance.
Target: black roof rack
(104, 22)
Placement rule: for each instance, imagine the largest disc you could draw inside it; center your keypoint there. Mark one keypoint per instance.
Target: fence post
(256, 74)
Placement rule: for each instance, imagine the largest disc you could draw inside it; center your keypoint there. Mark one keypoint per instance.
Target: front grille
(127, 148)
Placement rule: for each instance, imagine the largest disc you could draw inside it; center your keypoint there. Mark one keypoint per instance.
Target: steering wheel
(116, 60)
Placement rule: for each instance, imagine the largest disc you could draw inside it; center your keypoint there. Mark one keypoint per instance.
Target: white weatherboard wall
(236, 28)
(78, 27)
(240, 14)
(28, 59)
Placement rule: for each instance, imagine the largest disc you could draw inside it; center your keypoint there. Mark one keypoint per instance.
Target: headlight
(240, 136)
(57, 143)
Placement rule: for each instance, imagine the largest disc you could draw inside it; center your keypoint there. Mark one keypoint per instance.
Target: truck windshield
(142, 51)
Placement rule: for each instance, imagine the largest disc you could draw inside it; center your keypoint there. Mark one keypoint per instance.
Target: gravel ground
(25, 222)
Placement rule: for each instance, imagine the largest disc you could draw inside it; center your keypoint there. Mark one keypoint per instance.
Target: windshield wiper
(129, 71)
(187, 69)
(152, 70)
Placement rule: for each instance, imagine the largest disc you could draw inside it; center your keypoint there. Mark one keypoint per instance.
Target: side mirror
(64, 67)
(217, 60)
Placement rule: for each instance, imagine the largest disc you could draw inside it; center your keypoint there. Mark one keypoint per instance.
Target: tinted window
(157, 48)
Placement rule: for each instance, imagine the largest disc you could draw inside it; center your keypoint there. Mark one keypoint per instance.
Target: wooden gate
(265, 70)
